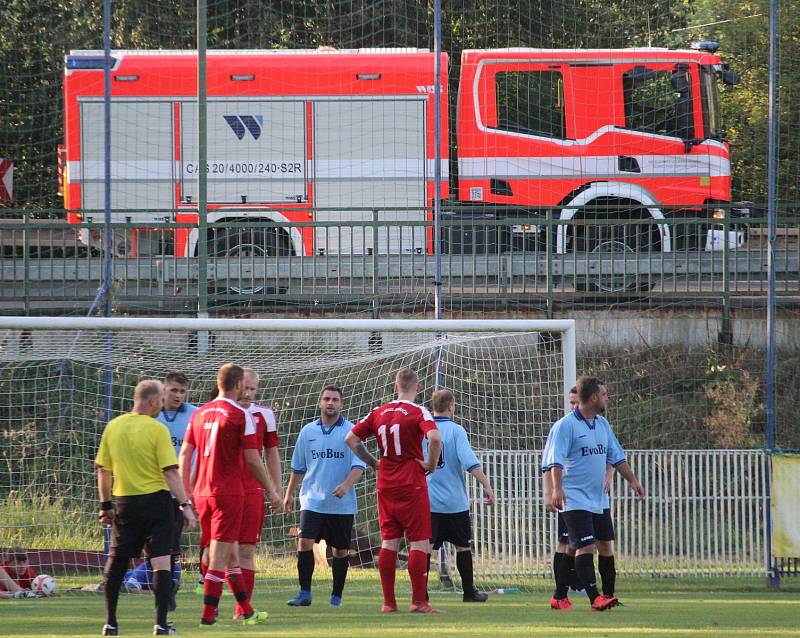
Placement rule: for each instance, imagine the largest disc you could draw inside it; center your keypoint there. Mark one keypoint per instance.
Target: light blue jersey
(177, 421)
(446, 487)
(582, 448)
(325, 459)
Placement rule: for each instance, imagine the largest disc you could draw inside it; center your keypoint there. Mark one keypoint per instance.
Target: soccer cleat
(256, 618)
(475, 596)
(302, 599)
(169, 630)
(336, 601)
(562, 604)
(207, 623)
(110, 630)
(423, 608)
(388, 609)
(601, 603)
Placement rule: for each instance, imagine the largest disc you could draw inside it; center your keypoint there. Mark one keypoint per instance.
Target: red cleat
(423, 608)
(601, 603)
(388, 609)
(561, 604)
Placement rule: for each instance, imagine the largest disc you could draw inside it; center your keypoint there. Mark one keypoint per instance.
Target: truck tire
(250, 245)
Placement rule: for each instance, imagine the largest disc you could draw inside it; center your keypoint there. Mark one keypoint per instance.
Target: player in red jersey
(16, 575)
(253, 517)
(221, 431)
(403, 505)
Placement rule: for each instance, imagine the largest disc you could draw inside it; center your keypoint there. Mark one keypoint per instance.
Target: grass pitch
(658, 608)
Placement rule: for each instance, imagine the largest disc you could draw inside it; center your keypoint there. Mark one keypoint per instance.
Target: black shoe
(110, 630)
(169, 630)
(475, 596)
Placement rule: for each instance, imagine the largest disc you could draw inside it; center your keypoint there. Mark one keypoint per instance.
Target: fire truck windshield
(712, 120)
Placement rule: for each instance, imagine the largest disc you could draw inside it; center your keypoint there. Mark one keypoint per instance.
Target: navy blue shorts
(584, 527)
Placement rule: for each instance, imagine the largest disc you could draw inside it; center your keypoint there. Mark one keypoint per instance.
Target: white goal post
(511, 380)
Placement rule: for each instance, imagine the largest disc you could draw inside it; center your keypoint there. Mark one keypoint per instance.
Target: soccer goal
(61, 379)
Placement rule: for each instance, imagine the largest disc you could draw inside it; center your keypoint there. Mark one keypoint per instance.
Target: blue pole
(108, 243)
(773, 577)
(437, 152)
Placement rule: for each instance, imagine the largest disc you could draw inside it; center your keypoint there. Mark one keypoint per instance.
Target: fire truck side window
(531, 102)
(659, 101)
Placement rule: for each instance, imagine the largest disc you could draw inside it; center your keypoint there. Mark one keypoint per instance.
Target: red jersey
(220, 431)
(267, 437)
(24, 580)
(399, 427)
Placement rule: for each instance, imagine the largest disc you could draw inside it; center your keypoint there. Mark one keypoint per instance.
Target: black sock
(584, 565)
(112, 581)
(464, 566)
(565, 568)
(305, 568)
(608, 573)
(572, 579)
(339, 568)
(162, 584)
(556, 562)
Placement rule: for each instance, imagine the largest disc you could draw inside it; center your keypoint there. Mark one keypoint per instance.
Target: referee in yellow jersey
(137, 464)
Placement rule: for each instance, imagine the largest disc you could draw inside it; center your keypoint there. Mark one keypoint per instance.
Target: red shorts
(252, 518)
(220, 518)
(404, 510)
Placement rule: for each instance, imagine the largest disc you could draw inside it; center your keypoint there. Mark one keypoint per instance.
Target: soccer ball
(44, 585)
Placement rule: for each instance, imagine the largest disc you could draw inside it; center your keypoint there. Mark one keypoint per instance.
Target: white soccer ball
(44, 585)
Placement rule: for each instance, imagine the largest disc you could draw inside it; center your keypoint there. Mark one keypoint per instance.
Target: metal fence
(704, 515)
(44, 265)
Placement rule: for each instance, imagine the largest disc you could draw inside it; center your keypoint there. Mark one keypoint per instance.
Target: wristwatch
(188, 501)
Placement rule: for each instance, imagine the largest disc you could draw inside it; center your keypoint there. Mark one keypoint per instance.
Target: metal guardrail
(44, 266)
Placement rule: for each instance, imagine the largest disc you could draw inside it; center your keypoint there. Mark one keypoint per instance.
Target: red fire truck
(330, 135)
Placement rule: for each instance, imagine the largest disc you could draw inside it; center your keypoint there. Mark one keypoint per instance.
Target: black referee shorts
(178, 526)
(454, 528)
(336, 529)
(143, 522)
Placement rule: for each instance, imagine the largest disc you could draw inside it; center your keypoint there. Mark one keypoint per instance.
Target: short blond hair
(147, 389)
(251, 372)
(406, 379)
(441, 400)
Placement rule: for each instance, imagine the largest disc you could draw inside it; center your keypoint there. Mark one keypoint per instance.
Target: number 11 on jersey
(394, 430)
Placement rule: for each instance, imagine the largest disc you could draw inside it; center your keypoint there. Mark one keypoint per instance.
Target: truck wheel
(625, 242)
(250, 246)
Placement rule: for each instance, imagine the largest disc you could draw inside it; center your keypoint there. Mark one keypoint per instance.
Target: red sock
(387, 568)
(236, 582)
(249, 576)
(212, 590)
(418, 573)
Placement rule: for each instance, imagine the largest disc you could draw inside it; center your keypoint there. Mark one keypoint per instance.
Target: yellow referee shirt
(136, 448)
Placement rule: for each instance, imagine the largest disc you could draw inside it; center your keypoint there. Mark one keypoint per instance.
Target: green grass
(658, 608)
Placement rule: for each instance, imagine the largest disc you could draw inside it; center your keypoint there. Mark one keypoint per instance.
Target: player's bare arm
(294, 482)
(627, 473)
(547, 486)
(105, 479)
(343, 488)
(557, 498)
(608, 477)
(434, 451)
(257, 469)
(185, 467)
(357, 445)
(481, 477)
(274, 468)
(175, 484)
